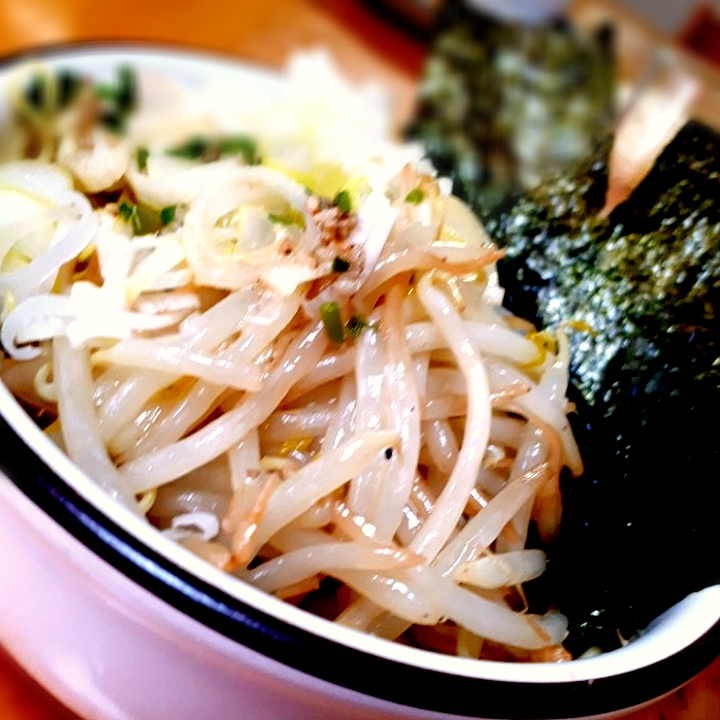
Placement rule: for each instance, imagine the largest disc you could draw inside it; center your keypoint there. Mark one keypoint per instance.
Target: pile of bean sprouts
(306, 376)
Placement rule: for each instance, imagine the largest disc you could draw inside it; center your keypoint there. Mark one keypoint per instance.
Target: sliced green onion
(129, 213)
(106, 92)
(141, 156)
(339, 265)
(118, 100)
(332, 322)
(125, 211)
(193, 149)
(68, 85)
(36, 92)
(239, 145)
(415, 196)
(113, 120)
(202, 148)
(126, 93)
(343, 202)
(167, 215)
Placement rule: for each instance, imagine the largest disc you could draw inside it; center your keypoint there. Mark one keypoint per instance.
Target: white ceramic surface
(111, 650)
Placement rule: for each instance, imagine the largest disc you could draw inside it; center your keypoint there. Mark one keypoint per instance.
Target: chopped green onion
(118, 100)
(343, 202)
(125, 211)
(332, 322)
(239, 145)
(334, 328)
(415, 196)
(68, 85)
(36, 92)
(122, 96)
(167, 215)
(105, 92)
(354, 326)
(113, 120)
(129, 213)
(193, 149)
(65, 84)
(201, 148)
(126, 93)
(339, 265)
(141, 156)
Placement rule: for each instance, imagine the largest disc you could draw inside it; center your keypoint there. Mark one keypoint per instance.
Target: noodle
(285, 347)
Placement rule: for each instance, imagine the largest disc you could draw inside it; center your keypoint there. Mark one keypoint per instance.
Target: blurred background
(667, 15)
(552, 116)
(578, 62)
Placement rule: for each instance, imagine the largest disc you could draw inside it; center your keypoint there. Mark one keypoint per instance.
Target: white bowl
(119, 622)
(530, 11)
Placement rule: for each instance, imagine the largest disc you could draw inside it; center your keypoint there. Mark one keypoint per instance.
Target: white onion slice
(83, 316)
(73, 233)
(98, 167)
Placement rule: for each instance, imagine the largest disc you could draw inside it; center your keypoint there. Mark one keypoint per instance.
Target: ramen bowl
(118, 621)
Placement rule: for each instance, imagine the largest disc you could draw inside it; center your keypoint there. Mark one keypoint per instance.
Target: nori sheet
(639, 530)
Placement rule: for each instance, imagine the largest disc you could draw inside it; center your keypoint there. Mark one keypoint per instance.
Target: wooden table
(364, 46)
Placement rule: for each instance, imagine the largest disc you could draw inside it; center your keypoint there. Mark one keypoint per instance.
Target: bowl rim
(385, 670)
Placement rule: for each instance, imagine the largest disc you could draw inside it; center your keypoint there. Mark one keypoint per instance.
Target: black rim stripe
(297, 648)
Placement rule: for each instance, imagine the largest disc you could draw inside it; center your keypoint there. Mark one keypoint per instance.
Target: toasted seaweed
(500, 104)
